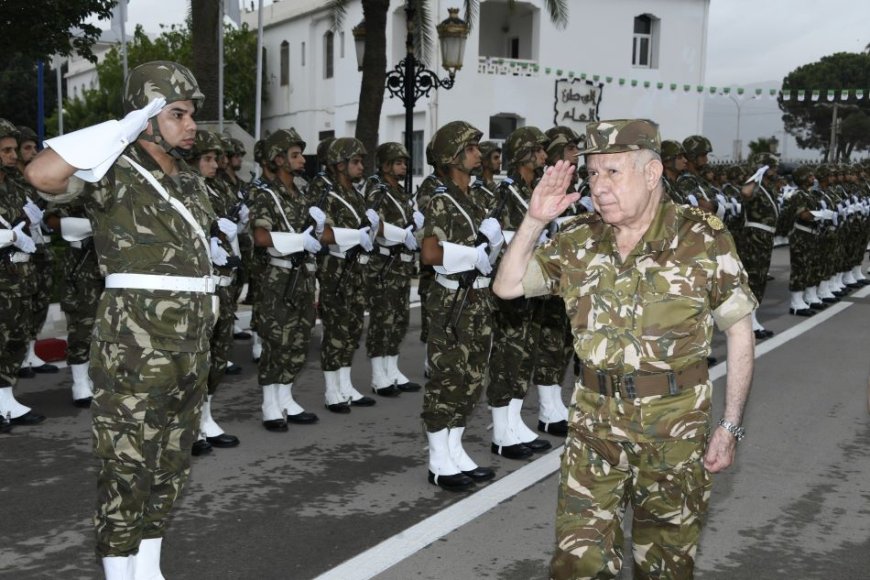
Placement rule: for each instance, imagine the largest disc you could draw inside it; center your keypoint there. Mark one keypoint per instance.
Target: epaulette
(699, 215)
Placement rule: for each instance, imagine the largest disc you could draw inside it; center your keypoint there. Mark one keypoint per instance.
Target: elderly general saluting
(643, 280)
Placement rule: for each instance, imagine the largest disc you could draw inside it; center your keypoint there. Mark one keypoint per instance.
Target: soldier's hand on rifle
(244, 215)
(410, 240)
(492, 230)
(693, 200)
(549, 199)
(319, 218)
(136, 121)
(482, 264)
(219, 256)
(374, 219)
(365, 238)
(22, 241)
(309, 242)
(33, 212)
(228, 228)
(418, 220)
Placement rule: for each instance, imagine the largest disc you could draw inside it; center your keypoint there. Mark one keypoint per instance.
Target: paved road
(347, 498)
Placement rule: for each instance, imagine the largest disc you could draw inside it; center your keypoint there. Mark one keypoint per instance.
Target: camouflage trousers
(342, 311)
(648, 452)
(43, 264)
(146, 412)
(245, 274)
(82, 287)
(514, 338)
(755, 248)
(388, 299)
(458, 362)
(804, 271)
(424, 285)
(285, 323)
(15, 315)
(555, 342)
(222, 335)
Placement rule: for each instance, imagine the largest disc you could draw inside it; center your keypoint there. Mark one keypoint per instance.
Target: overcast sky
(750, 41)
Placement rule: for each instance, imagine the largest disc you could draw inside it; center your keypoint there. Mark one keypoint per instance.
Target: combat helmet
(696, 146)
(7, 129)
(450, 141)
(280, 141)
(204, 142)
(343, 148)
(323, 149)
(259, 151)
(390, 152)
(671, 149)
(801, 175)
(520, 144)
(238, 147)
(557, 138)
(26, 134)
(487, 148)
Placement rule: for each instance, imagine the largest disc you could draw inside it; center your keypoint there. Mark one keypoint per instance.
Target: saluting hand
(549, 199)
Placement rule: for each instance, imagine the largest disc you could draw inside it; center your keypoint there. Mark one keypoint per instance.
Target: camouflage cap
(280, 141)
(621, 135)
(558, 137)
(160, 78)
(204, 142)
(389, 152)
(27, 134)
(823, 171)
(451, 140)
(735, 173)
(343, 148)
(238, 147)
(487, 148)
(521, 142)
(671, 149)
(7, 129)
(696, 145)
(226, 144)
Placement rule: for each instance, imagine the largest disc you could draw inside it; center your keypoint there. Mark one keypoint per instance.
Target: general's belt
(630, 386)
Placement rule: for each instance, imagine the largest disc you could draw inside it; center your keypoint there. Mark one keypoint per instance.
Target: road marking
(405, 544)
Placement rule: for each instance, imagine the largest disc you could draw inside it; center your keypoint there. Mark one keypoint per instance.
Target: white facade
(505, 72)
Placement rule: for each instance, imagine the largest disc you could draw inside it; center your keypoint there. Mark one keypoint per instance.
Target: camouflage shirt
(453, 216)
(266, 214)
(517, 204)
(652, 312)
(17, 277)
(426, 191)
(137, 231)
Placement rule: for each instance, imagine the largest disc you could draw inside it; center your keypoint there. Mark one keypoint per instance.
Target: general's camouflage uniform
(285, 315)
(458, 362)
(388, 290)
(342, 309)
(650, 313)
(427, 274)
(150, 355)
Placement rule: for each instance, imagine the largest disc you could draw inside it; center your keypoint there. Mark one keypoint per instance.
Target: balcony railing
(508, 66)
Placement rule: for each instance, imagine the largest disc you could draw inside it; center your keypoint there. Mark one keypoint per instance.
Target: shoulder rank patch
(714, 222)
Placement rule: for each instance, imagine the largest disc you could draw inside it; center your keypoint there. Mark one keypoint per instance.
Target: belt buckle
(672, 383)
(630, 391)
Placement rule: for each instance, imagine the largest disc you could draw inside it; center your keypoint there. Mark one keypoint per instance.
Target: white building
(81, 74)
(519, 69)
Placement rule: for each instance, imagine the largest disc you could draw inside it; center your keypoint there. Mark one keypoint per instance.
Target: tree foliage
(18, 90)
(763, 145)
(37, 30)
(810, 122)
(174, 43)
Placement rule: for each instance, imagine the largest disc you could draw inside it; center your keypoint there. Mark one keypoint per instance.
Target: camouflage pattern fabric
(146, 412)
(388, 295)
(284, 321)
(458, 366)
(342, 310)
(427, 274)
(621, 135)
(804, 271)
(755, 245)
(649, 313)
(554, 350)
(82, 286)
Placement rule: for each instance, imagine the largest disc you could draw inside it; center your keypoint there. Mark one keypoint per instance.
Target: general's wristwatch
(738, 432)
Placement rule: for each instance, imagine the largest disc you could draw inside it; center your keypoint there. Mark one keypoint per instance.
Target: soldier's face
(399, 168)
(236, 162)
(701, 161)
(208, 164)
(176, 123)
(355, 167)
(27, 151)
(294, 160)
(680, 163)
(621, 187)
(569, 153)
(470, 157)
(494, 162)
(8, 151)
(539, 157)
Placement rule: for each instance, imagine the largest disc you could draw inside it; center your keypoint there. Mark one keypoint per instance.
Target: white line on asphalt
(412, 540)
(405, 544)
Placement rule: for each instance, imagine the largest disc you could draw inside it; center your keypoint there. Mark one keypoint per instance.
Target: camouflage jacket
(484, 194)
(519, 194)
(761, 208)
(267, 215)
(426, 191)
(453, 216)
(652, 312)
(343, 209)
(137, 231)
(397, 208)
(19, 277)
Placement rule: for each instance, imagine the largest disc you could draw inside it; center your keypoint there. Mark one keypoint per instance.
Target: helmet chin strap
(156, 138)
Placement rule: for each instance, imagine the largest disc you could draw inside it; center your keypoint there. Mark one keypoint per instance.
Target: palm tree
(374, 69)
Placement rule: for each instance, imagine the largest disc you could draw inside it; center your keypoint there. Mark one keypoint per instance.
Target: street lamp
(738, 145)
(410, 80)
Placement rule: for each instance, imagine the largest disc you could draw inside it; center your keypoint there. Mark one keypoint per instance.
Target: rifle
(467, 278)
(352, 255)
(394, 252)
(299, 257)
(87, 249)
(6, 253)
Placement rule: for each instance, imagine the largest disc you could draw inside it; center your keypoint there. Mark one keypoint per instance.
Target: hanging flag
(634, 82)
(786, 95)
(816, 94)
(673, 87)
(621, 82)
(801, 95)
(608, 79)
(687, 88)
(844, 95)
(660, 85)
(859, 94)
(646, 84)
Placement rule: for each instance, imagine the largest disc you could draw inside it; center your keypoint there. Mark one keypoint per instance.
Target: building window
(500, 126)
(645, 41)
(328, 54)
(285, 63)
(514, 47)
(303, 54)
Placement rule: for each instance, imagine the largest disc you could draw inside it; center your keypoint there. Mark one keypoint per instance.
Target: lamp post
(410, 79)
(738, 144)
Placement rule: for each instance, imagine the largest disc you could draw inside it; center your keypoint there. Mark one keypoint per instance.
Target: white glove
(374, 219)
(228, 228)
(738, 207)
(722, 201)
(135, 122)
(319, 218)
(410, 240)
(758, 175)
(587, 203)
(418, 220)
(309, 242)
(823, 214)
(22, 241)
(492, 230)
(693, 200)
(823, 203)
(34, 214)
(835, 218)
(482, 263)
(365, 238)
(244, 215)
(219, 256)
